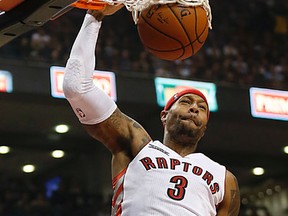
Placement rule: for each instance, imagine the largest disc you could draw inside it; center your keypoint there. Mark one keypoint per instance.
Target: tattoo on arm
(115, 122)
(135, 130)
(145, 139)
(235, 200)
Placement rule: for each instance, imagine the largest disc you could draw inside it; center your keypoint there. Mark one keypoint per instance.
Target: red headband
(177, 95)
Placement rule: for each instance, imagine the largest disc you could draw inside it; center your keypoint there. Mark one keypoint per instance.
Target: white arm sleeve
(89, 103)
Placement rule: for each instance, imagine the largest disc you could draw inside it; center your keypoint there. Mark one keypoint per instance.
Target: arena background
(82, 177)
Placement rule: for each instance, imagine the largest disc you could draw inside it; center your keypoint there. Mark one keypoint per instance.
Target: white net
(136, 6)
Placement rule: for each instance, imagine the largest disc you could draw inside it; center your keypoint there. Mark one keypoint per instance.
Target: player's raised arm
(95, 109)
(230, 205)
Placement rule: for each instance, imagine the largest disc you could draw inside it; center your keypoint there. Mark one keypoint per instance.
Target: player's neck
(182, 147)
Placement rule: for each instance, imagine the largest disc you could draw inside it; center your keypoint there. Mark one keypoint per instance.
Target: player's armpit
(230, 205)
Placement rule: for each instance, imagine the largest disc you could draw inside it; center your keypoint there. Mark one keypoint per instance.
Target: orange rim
(94, 5)
(6, 5)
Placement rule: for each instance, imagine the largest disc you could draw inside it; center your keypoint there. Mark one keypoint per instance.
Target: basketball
(173, 31)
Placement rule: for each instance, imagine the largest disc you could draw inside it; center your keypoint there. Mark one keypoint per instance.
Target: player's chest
(157, 170)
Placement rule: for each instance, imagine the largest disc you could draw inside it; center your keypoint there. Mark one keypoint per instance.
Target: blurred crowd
(27, 197)
(247, 45)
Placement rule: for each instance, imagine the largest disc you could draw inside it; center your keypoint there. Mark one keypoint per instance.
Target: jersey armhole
(117, 177)
(224, 191)
(122, 172)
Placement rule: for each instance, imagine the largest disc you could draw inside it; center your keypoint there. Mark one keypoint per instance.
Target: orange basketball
(173, 31)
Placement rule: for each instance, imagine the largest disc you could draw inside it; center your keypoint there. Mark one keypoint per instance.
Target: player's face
(188, 116)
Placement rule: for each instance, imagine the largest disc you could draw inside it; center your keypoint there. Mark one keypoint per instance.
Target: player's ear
(163, 116)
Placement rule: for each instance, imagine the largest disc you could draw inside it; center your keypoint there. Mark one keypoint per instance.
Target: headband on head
(177, 95)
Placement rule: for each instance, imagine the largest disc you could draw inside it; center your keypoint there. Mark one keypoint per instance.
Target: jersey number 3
(178, 192)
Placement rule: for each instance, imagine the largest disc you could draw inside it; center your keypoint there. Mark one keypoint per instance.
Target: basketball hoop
(91, 5)
(82, 4)
(136, 6)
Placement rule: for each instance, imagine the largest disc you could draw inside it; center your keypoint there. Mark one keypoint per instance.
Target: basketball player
(149, 177)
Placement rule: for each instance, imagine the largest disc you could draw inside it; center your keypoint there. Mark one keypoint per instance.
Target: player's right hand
(107, 10)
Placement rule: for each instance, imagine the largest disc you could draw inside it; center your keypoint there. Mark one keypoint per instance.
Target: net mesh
(136, 6)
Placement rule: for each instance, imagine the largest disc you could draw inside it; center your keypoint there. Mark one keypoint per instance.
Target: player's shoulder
(231, 177)
(208, 159)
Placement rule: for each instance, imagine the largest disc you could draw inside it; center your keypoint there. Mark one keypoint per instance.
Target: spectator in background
(39, 43)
